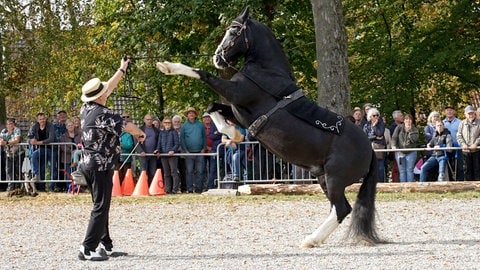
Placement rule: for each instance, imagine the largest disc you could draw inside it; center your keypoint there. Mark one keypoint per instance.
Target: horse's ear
(245, 13)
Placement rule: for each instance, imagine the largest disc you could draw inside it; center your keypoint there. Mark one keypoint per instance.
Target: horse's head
(234, 44)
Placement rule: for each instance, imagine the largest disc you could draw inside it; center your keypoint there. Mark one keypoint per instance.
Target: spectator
(60, 124)
(10, 137)
(210, 161)
(397, 117)
(101, 129)
(148, 162)
(60, 129)
(156, 123)
(3, 166)
(375, 130)
(169, 143)
(357, 117)
(441, 138)
(127, 144)
(366, 108)
(405, 136)
(40, 135)
(235, 152)
(77, 125)
(193, 140)
(215, 137)
(451, 123)
(468, 138)
(67, 150)
(430, 129)
(182, 169)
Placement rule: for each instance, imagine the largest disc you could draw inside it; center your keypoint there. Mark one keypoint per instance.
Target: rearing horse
(265, 99)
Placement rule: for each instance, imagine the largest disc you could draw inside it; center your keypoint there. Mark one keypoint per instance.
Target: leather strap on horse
(257, 125)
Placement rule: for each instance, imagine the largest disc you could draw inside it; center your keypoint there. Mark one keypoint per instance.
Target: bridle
(231, 43)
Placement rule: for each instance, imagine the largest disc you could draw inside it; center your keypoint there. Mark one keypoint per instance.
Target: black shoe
(91, 255)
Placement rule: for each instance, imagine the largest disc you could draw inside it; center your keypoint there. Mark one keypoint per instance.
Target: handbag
(79, 178)
(379, 155)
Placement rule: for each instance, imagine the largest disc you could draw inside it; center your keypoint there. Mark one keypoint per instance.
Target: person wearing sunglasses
(169, 143)
(375, 130)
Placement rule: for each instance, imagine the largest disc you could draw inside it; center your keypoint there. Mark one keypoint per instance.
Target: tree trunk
(332, 57)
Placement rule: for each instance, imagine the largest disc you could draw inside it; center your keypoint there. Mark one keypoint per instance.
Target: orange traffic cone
(117, 189)
(157, 187)
(128, 185)
(141, 189)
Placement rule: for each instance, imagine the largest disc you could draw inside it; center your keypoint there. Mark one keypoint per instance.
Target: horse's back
(303, 144)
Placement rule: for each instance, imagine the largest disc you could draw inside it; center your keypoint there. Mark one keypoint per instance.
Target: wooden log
(259, 189)
(311, 189)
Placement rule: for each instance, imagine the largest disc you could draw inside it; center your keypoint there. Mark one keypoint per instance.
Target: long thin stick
(129, 156)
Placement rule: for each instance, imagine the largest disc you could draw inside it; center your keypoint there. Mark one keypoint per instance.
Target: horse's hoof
(163, 67)
(307, 243)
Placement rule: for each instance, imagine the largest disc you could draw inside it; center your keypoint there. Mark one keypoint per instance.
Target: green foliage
(411, 55)
(416, 56)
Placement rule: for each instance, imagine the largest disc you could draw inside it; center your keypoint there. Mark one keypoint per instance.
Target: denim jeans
(195, 166)
(39, 159)
(430, 163)
(406, 163)
(212, 171)
(381, 170)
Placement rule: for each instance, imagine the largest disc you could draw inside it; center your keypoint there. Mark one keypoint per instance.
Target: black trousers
(472, 166)
(100, 184)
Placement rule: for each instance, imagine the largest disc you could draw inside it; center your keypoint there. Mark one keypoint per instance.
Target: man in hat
(193, 140)
(468, 138)
(101, 129)
(451, 123)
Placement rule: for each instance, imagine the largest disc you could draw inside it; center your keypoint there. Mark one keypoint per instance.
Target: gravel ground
(238, 234)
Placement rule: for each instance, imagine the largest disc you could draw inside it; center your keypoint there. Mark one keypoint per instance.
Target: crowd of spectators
(195, 172)
(436, 161)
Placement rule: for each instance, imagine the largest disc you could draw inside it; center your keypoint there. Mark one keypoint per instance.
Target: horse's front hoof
(163, 67)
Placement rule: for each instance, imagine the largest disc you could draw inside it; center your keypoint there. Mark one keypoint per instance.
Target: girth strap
(257, 125)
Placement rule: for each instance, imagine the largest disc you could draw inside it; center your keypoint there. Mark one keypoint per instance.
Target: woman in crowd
(375, 130)
(405, 136)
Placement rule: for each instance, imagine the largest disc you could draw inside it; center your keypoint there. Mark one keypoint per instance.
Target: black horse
(265, 99)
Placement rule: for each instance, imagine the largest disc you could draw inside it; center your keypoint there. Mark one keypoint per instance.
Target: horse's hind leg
(339, 210)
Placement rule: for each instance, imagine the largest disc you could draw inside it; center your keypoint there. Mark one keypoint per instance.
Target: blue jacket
(215, 136)
(168, 140)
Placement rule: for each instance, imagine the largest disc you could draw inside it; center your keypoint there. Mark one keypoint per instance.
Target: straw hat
(191, 109)
(93, 89)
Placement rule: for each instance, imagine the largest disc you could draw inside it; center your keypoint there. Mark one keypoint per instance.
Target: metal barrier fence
(53, 163)
(249, 163)
(252, 163)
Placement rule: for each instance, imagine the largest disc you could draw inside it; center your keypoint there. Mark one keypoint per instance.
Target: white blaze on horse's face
(231, 46)
(218, 57)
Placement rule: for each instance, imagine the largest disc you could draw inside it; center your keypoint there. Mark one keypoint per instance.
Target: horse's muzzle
(219, 62)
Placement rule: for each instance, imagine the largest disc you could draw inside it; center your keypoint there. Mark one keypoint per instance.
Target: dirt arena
(230, 233)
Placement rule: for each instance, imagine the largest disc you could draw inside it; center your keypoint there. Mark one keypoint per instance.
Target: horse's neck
(274, 79)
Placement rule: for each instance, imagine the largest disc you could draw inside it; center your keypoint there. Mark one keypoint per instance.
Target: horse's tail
(363, 215)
